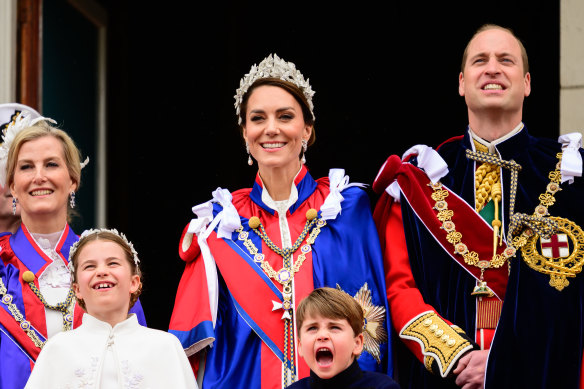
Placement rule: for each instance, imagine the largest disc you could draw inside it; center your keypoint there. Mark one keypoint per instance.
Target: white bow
(571, 159)
(429, 160)
(332, 204)
(204, 214)
(228, 220)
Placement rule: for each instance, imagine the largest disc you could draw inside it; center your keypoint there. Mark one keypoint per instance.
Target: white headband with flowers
(86, 233)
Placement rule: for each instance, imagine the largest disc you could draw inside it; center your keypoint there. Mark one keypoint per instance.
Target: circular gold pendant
(561, 256)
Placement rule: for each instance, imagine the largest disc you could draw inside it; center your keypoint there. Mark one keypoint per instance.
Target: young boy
(330, 339)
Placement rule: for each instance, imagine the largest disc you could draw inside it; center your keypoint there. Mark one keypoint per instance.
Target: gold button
(451, 343)
(28, 276)
(427, 322)
(445, 338)
(311, 214)
(439, 333)
(433, 327)
(254, 222)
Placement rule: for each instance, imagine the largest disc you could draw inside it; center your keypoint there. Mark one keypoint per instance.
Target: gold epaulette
(441, 343)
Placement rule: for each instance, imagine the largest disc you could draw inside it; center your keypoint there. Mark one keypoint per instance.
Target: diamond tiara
(86, 233)
(273, 67)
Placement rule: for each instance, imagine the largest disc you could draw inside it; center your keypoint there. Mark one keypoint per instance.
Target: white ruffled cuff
(430, 161)
(571, 159)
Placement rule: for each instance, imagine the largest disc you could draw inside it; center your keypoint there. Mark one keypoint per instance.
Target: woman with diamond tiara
(253, 254)
(41, 166)
(110, 349)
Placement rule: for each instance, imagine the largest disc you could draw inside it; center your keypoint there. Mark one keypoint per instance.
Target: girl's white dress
(95, 355)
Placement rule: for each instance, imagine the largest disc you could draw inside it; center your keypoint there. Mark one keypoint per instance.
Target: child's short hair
(332, 304)
(112, 236)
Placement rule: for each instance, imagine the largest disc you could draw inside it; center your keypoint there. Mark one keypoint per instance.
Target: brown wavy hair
(107, 236)
(289, 87)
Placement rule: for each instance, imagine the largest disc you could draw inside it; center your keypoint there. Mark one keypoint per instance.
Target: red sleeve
(404, 298)
(433, 340)
(582, 374)
(188, 247)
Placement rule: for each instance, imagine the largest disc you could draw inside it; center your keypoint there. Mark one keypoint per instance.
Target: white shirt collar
(491, 145)
(283, 205)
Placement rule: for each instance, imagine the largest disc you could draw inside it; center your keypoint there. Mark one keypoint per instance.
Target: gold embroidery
(558, 267)
(541, 225)
(439, 341)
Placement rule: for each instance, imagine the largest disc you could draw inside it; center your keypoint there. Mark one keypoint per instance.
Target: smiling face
(274, 128)
(328, 346)
(494, 79)
(42, 182)
(104, 280)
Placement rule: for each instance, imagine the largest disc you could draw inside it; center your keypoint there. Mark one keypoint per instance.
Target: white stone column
(7, 51)
(571, 66)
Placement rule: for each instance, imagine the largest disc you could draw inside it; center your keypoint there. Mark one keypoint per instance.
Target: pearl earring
(249, 160)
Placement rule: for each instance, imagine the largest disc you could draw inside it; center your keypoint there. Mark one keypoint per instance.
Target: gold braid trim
(440, 342)
(486, 176)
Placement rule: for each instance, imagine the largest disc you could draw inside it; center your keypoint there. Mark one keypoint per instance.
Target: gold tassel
(496, 197)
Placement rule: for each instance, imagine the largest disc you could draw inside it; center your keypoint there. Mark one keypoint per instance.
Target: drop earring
(249, 160)
(14, 201)
(304, 147)
(72, 200)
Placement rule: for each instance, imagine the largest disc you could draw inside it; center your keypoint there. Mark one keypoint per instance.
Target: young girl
(110, 349)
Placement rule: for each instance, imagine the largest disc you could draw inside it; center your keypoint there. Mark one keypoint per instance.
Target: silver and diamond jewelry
(72, 200)
(304, 147)
(249, 160)
(14, 201)
(273, 67)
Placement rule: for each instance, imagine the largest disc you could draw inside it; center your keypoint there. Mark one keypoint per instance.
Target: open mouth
(324, 356)
(103, 285)
(273, 145)
(493, 87)
(42, 192)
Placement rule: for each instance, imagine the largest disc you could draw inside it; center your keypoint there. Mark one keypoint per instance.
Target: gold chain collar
(18, 316)
(524, 230)
(285, 275)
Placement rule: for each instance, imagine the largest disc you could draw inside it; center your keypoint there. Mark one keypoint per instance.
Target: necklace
(65, 307)
(454, 237)
(18, 316)
(561, 253)
(539, 225)
(285, 275)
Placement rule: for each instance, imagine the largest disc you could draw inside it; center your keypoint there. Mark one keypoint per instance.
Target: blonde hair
(332, 304)
(107, 236)
(39, 130)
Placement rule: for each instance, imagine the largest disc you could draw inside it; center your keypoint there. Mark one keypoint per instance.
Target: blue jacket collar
(305, 185)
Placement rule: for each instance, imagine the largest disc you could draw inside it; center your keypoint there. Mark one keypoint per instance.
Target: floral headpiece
(273, 67)
(92, 231)
(23, 120)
